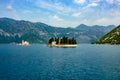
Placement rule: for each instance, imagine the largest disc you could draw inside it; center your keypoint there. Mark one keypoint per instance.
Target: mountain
(113, 37)
(83, 27)
(17, 30)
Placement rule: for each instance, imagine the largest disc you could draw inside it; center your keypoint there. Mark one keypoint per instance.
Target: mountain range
(113, 37)
(12, 30)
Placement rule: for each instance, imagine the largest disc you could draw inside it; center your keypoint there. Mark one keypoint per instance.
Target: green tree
(51, 40)
(57, 40)
(65, 40)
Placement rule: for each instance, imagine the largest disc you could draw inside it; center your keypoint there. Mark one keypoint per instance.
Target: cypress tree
(63, 40)
(51, 40)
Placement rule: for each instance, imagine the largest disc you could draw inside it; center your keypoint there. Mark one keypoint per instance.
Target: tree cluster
(64, 40)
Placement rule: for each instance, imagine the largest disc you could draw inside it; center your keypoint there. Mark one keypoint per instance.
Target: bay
(39, 62)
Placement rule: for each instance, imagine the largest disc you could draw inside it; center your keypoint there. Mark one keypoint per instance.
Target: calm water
(38, 62)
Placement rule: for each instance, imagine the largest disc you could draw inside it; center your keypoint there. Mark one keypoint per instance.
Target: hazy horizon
(63, 13)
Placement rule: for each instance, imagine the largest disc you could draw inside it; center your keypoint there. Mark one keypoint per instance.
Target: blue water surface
(39, 62)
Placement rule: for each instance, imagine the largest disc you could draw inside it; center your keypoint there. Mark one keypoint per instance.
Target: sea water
(39, 62)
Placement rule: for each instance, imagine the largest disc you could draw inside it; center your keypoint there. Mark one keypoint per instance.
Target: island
(62, 42)
(24, 43)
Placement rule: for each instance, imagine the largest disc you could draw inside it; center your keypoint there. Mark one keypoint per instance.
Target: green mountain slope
(113, 37)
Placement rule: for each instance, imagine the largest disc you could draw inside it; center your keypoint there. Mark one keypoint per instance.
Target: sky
(63, 13)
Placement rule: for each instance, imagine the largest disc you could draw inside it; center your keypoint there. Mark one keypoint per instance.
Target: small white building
(24, 43)
(53, 43)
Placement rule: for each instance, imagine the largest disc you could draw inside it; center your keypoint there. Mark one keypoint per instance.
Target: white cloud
(92, 5)
(96, 1)
(102, 21)
(57, 18)
(118, 0)
(56, 7)
(79, 1)
(67, 20)
(114, 13)
(48, 5)
(59, 22)
(76, 14)
(113, 1)
(110, 1)
(26, 11)
(63, 23)
(9, 7)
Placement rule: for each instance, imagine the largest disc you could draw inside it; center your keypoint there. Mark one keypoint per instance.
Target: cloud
(76, 14)
(56, 7)
(102, 21)
(92, 5)
(79, 1)
(118, 0)
(57, 18)
(113, 1)
(96, 1)
(64, 23)
(110, 1)
(114, 13)
(108, 21)
(59, 22)
(67, 14)
(26, 11)
(48, 5)
(9, 7)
